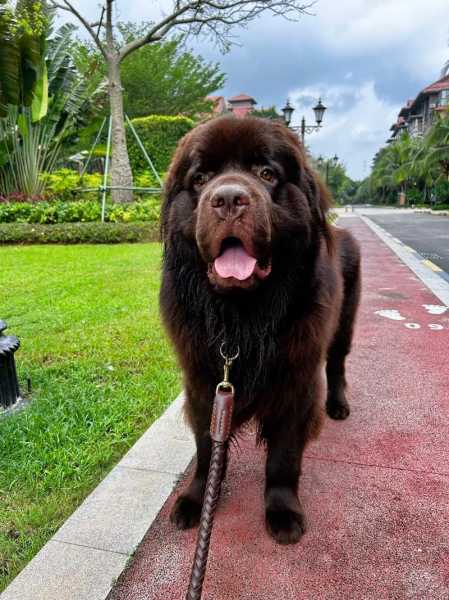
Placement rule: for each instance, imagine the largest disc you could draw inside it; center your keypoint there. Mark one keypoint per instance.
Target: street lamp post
(329, 162)
(319, 110)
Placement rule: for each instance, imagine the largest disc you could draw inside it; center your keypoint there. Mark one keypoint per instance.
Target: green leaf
(39, 106)
(23, 125)
(9, 61)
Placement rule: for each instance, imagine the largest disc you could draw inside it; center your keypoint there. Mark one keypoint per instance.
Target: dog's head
(237, 189)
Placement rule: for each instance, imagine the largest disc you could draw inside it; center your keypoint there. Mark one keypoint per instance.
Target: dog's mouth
(235, 266)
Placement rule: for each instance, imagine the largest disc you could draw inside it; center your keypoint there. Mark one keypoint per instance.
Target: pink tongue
(235, 262)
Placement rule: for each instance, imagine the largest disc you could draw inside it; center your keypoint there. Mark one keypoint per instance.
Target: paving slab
(75, 572)
(116, 515)
(375, 488)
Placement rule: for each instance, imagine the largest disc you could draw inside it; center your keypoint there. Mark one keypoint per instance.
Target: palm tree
(436, 147)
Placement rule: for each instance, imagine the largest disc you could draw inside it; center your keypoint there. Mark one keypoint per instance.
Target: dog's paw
(185, 513)
(338, 410)
(285, 526)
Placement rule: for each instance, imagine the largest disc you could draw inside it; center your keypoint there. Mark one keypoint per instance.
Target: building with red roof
(240, 106)
(418, 115)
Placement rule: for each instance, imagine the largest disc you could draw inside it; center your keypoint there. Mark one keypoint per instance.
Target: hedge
(78, 233)
(72, 211)
(159, 135)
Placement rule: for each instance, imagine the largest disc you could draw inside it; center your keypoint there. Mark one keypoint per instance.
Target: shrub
(414, 196)
(147, 179)
(57, 211)
(442, 191)
(159, 135)
(65, 184)
(78, 233)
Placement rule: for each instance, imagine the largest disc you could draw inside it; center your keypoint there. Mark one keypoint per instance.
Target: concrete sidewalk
(375, 488)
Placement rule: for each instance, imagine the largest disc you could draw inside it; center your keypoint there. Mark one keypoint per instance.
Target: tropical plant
(395, 169)
(30, 141)
(416, 166)
(22, 40)
(432, 158)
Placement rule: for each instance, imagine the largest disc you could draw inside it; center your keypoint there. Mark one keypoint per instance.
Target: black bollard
(9, 385)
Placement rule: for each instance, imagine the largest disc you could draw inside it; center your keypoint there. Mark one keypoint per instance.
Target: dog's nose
(229, 200)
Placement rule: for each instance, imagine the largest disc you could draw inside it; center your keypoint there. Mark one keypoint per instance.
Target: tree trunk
(121, 174)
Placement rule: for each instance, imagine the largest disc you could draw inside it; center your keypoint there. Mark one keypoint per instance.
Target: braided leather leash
(220, 430)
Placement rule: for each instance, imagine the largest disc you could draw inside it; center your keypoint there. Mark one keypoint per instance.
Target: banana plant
(22, 40)
(31, 136)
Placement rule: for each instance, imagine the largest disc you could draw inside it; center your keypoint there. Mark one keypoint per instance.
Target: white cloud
(364, 57)
(355, 126)
(364, 27)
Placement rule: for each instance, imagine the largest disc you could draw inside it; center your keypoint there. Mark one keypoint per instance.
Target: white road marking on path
(395, 315)
(435, 309)
(389, 313)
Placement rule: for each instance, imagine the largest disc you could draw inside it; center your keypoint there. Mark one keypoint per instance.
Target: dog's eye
(267, 174)
(200, 179)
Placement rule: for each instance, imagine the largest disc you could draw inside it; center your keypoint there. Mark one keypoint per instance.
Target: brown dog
(251, 260)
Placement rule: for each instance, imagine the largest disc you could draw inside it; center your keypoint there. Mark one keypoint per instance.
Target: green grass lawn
(101, 372)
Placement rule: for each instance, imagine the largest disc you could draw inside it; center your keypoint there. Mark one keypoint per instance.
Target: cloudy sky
(363, 57)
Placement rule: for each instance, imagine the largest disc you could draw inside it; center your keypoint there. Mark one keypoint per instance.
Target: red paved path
(375, 488)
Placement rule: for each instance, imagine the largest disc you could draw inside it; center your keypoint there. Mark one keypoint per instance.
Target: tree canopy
(333, 173)
(266, 113)
(167, 79)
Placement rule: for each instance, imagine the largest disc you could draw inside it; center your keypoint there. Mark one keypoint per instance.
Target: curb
(430, 211)
(91, 549)
(432, 276)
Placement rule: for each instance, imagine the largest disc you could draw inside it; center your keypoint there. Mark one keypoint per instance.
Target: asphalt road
(427, 234)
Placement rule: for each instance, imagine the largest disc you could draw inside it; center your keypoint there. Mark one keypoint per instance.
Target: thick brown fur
(247, 181)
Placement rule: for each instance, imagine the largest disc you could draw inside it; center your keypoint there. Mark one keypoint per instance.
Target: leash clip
(228, 360)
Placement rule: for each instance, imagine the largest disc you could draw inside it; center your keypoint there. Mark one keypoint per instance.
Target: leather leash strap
(220, 430)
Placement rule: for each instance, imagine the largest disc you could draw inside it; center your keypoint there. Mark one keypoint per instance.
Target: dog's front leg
(286, 438)
(187, 510)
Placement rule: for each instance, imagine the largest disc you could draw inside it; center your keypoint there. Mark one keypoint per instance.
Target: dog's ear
(178, 168)
(299, 172)
(175, 180)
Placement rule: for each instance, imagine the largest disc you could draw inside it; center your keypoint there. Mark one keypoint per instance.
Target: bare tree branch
(68, 7)
(216, 17)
